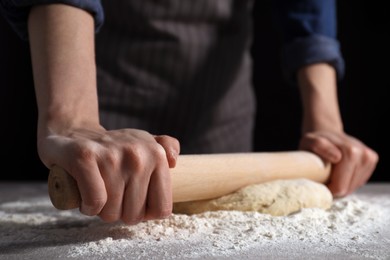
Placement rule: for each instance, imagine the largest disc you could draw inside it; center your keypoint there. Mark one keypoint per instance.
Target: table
(31, 228)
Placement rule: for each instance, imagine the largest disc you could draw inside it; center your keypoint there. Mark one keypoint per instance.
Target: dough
(278, 198)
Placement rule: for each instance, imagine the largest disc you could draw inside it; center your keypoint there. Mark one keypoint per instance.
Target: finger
(134, 202)
(84, 170)
(137, 168)
(138, 164)
(92, 188)
(366, 176)
(366, 167)
(112, 211)
(322, 146)
(171, 146)
(115, 185)
(360, 178)
(373, 159)
(340, 178)
(159, 202)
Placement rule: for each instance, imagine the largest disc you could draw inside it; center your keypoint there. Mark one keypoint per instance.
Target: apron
(181, 68)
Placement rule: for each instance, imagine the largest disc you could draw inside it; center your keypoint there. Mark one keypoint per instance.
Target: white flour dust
(349, 226)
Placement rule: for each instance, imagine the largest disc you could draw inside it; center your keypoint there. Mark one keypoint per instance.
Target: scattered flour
(351, 225)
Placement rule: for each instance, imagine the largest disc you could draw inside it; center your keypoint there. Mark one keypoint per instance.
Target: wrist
(64, 123)
(318, 88)
(322, 123)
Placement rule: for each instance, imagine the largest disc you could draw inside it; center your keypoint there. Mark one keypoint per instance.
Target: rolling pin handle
(63, 191)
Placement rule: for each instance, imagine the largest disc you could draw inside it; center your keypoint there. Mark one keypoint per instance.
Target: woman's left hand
(352, 161)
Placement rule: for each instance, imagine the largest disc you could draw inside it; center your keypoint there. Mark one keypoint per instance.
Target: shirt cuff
(308, 50)
(16, 12)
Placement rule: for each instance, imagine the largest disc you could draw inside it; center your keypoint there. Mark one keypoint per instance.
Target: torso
(179, 67)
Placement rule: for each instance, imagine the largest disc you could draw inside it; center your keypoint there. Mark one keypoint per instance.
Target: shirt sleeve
(16, 12)
(308, 30)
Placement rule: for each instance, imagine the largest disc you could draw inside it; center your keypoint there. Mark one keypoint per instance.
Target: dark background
(363, 36)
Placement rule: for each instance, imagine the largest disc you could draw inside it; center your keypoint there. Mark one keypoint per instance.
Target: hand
(352, 161)
(122, 174)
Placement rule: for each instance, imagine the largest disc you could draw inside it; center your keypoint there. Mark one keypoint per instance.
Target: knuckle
(111, 158)
(130, 150)
(354, 151)
(158, 153)
(134, 155)
(84, 152)
(141, 159)
(372, 156)
(369, 157)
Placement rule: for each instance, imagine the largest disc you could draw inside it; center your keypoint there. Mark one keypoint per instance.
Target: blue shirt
(308, 28)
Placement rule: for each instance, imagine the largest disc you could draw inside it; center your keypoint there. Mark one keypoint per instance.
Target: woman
(171, 76)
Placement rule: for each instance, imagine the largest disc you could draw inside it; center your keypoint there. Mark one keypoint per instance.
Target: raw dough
(278, 198)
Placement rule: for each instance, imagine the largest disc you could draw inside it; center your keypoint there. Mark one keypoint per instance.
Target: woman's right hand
(121, 174)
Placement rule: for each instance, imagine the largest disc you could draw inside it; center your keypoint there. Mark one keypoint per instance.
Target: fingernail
(174, 154)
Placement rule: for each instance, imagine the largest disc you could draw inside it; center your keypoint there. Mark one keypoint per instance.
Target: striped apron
(181, 68)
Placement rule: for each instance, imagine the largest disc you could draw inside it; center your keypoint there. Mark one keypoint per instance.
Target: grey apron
(179, 67)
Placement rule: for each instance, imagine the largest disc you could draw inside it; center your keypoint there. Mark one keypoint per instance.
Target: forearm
(352, 161)
(62, 51)
(318, 87)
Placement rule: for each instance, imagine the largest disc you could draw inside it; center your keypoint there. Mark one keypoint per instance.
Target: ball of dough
(278, 198)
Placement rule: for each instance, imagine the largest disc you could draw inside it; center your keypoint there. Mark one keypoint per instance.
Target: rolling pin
(208, 176)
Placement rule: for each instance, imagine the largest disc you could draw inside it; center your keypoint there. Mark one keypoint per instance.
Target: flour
(351, 225)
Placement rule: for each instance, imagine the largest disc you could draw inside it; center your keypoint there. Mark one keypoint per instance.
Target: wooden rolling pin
(208, 176)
